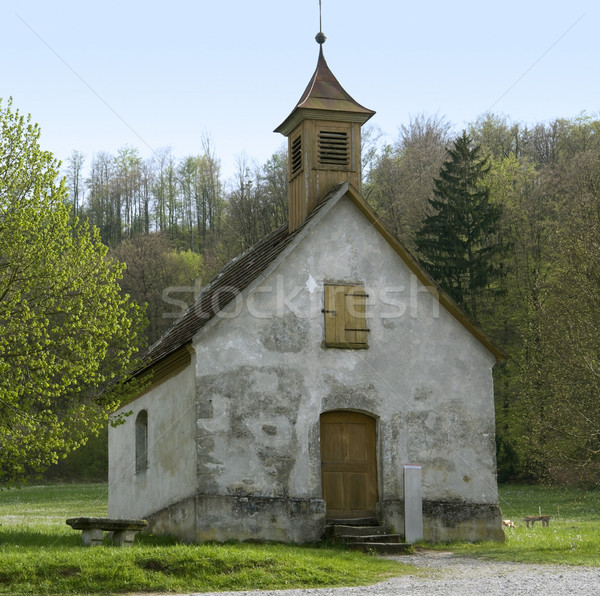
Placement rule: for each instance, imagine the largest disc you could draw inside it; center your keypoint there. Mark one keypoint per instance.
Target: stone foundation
(447, 520)
(218, 518)
(178, 520)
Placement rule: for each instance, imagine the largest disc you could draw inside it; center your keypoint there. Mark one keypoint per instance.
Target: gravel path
(453, 575)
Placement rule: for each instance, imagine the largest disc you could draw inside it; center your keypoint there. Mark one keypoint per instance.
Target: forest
(529, 275)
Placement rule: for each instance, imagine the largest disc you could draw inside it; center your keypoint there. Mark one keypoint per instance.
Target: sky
(99, 76)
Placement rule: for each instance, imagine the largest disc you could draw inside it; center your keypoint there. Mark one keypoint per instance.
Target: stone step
(367, 535)
(339, 530)
(358, 521)
(380, 538)
(383, 548)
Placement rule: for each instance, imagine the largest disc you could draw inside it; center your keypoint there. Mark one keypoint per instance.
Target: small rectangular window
(333, 148)
(296, 159)
(345, 316)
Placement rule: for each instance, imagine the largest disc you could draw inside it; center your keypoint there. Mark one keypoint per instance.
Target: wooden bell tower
(323, 134)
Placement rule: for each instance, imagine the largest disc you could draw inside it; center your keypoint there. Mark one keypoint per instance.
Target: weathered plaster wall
(171, 473)
(263, 381)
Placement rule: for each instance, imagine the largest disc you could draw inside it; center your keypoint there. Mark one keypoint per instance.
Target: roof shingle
(233, 279)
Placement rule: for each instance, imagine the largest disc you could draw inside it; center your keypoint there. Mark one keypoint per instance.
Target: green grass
(572, 538)
(40, 554)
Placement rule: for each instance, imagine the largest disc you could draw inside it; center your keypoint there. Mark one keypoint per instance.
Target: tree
(128, 190)
(101, 209)
(400, 180)
(457, 242)
(244, 210)
(560, 399)
(75, 181)
(159, 277)
(499, 137)
(66, 333)
(274, 176)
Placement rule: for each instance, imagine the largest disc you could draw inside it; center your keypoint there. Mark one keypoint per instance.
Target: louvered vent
(296, 163)
(333, 148)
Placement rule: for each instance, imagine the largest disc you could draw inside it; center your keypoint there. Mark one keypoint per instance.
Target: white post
(413, 504)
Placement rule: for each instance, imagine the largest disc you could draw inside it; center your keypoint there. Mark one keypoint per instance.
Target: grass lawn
(40, 554)
(573, 536)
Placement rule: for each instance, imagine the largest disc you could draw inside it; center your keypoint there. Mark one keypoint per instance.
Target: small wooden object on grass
(545, 519)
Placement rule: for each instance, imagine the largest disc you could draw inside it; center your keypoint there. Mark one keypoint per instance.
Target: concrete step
(383, 548)
(339, 530)
(380, 538)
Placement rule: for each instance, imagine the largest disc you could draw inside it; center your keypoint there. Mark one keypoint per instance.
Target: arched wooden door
(348, 464)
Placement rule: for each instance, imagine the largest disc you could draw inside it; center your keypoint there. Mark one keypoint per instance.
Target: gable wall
(170, 476)
(264, 380)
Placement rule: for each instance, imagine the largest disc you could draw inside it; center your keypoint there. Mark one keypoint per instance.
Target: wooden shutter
(345, 316)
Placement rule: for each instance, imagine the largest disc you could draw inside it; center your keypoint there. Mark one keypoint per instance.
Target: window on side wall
(345, 316)
(141, 442)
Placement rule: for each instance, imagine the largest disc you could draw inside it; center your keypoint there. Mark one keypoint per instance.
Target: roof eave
(300, 114)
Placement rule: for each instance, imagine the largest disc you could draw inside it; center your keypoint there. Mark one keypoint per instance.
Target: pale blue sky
(102, 75)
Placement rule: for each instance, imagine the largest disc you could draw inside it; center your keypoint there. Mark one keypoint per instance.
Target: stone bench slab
(93, 528)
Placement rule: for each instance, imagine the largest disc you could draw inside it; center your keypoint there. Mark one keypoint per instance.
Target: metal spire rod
(320, 37)
(320, 18)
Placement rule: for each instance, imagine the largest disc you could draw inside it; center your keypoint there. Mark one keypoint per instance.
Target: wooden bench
(545, 519)
(93, 528)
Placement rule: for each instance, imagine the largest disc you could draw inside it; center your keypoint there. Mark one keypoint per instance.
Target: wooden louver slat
(296, 161)
(333, 148)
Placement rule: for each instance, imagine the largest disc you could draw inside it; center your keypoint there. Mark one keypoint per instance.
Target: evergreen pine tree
(457, 242)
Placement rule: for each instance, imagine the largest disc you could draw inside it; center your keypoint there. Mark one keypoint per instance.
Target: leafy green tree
(525, 227)
(560, 399)
(458, 241)
(159, 277)
(66, 333)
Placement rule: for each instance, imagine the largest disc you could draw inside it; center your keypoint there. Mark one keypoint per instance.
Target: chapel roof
(240, 272)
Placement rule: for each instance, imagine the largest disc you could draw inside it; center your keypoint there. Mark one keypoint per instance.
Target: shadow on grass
(31, 538)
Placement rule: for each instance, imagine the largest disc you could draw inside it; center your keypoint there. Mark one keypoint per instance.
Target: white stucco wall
(234, 438)
(171, 473)
(263, 380)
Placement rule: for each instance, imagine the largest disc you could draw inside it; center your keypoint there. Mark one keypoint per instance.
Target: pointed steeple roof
(325, 98)
(325, 92)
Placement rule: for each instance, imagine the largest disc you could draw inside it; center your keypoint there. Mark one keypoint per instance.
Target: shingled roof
(240, 272)
(324, 98)
(232, 280)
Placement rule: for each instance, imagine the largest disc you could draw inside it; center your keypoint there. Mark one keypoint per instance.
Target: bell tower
(323, 132)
